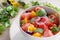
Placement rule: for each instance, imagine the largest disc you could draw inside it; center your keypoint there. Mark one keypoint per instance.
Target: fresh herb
(26, 6)
(32, 20)
(36, 3)
(39, 30)
(5, 14)
(55, 28)
(41, 12)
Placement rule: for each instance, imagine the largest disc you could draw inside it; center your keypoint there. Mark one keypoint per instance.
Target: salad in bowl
(40, 21)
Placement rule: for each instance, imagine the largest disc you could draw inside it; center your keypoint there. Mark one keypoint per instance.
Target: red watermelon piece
(47, 33)
(25, 26)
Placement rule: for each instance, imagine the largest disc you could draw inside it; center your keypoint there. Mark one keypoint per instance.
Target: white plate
(15, 33)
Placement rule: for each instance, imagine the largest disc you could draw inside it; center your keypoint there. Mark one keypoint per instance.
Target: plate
(15, 33)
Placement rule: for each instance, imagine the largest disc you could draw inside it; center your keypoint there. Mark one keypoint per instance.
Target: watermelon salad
(38, 23)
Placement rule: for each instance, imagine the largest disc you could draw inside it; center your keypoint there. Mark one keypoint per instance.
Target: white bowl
(29, 37)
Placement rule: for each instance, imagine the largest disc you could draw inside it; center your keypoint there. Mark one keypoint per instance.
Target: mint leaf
(39, 30)
(41, 12)
(55, 28)
(32, 20)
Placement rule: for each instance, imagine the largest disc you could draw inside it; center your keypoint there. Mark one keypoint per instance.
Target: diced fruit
(41, 12)
(25, 20)
(56, 21)
(34, 23)
(37, 35)
(31, 28)
(41, 25)
(26, 15)
(37, 8)
(54, 28)
(47, 33)
(33, 14)
(49, 24)
(39, 30)
(59, 27)
(25, 26)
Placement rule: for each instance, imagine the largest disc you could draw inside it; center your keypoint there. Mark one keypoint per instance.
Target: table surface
(5, 35)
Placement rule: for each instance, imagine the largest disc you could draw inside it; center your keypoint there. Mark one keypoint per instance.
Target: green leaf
(36, 3)
(41, 12)
(7, 23)
(55, 28)
(9, 8)
(1, 28)
(26, 6)
(32, 20)
(15, 9)
(5, 14)
(12, 13)
(39, 30)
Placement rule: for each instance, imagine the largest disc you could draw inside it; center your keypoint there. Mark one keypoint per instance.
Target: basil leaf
(41, 12)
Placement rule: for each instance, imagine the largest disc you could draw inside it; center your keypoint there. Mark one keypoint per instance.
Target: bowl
(49, 11)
